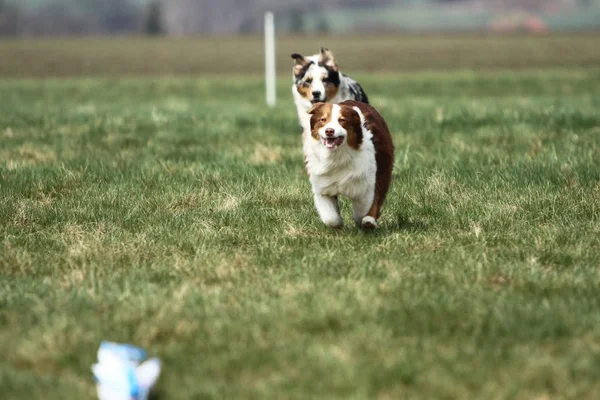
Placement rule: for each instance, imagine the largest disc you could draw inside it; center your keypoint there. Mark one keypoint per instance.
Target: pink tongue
(333, 142)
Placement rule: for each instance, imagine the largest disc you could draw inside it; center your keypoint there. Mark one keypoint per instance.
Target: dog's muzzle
(332, 142)
(316, 97)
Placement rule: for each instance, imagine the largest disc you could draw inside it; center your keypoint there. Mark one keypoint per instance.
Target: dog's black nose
(316, 95)
(329, 131)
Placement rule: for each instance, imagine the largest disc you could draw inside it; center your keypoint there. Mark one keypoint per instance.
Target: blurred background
(227, 17)
(136, 37)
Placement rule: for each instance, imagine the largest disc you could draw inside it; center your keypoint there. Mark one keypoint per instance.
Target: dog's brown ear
(353, 125)
(315, 108)
(328, 59)
(300, 65)
(300, 60)
(316, 114)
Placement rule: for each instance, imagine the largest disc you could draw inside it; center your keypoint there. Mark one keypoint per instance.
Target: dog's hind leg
(329, 210)
(384, 176)
(369, 219)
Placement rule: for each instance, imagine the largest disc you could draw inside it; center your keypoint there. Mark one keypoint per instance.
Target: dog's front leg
(329, 210)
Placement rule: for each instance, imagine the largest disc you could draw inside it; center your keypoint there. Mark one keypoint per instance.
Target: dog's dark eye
(323, 119)
(342, 119)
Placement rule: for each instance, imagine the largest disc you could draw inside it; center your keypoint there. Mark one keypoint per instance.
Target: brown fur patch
(298, 71)
(320, 116)
(331, 90)
(351, 123)
(305, 91)
(384, 153)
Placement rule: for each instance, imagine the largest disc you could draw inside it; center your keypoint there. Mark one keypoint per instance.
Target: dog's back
(356, 91)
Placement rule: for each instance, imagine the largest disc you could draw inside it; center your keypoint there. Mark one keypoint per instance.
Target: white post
(270, 58)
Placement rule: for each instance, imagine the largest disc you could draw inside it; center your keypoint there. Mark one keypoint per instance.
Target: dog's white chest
(344, 171)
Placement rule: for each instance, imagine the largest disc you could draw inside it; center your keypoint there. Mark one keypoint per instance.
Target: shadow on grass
(402, 223)
(157, 395)
(397, 223)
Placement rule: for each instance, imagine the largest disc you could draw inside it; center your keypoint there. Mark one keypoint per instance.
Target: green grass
(174, 213)
(245, 55)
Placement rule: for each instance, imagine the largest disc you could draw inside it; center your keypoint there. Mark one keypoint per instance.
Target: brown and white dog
(349, 152)
(317, 79)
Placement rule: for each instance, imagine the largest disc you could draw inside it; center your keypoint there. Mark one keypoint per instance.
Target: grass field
(174, 213)
(244, 56)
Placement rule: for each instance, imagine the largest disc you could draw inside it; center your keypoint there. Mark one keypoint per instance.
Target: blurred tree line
(79, 17)
(178, 17)
(186, 17)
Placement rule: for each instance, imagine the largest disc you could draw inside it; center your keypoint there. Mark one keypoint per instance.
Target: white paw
(369, 223)
(335, 223)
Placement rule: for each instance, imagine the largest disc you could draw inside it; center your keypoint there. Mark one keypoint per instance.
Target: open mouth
(315, 101)
(333, 142)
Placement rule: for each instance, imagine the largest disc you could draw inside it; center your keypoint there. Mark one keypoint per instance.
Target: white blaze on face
(317, 86)
(333, 134)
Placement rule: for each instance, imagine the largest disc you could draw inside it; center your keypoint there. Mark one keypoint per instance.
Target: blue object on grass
(123, 373)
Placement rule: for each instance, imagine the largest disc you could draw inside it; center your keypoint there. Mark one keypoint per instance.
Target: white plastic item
(123, 373)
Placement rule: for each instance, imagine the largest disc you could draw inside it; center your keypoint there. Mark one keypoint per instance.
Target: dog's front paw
(335, 223)
(369, 223)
